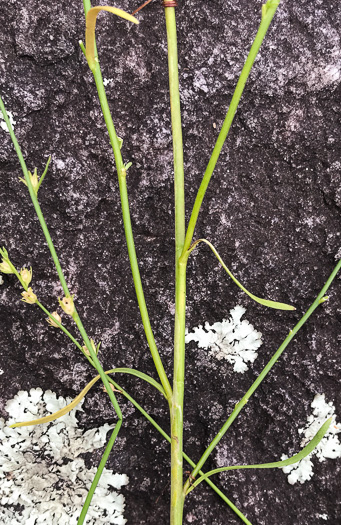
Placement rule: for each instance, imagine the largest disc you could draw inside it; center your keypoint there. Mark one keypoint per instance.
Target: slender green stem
(66, 332)
(146, 415)
(177, 494)
(99, 472)
(44, 172)
(308, 449)
(56, 260)
(187, 458)
(267, 16)
(139, 290)
(320, 298)
(75, 315)
(121, 171)
(35, 201)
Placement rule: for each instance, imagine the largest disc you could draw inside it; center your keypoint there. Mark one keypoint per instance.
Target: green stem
(56, 260)
(177, 494)
(187, 458)
(99, 472)
(267, 17)
(308, 449)
(35, 201)
(127, 223)
(44, 172)
(319, 299)
(66, 332)
(147, 416)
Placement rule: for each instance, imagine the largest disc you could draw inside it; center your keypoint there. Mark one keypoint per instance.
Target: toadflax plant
(183, 483)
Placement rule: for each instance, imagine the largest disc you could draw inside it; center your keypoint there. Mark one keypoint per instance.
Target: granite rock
(272, 210)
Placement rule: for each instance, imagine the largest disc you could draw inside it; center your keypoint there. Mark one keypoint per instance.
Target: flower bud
(67, 305)
(112, 388)
(95, 349)
(26, 275)
(52, 322)
(5, 267)
(29, 296)
(34, 180)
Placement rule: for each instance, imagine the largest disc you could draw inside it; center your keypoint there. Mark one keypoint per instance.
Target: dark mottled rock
(272, 210)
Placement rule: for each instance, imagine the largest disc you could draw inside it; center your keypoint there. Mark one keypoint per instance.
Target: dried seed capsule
(52, 322)
(29, 296)
(67, 305)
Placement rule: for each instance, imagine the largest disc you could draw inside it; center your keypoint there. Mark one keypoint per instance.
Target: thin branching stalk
(54, 255)
(185, 456)
(147, 416)
(268, 12)
(183, 245)
(319, 300)
(99, 472)
(121, 172)
(183, 240)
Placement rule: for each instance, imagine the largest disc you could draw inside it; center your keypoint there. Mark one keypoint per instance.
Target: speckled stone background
(272, 210)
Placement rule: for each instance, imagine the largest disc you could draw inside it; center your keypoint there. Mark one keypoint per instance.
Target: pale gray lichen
(329, 447)
(232, 339)
(3, 124)
(42, 479)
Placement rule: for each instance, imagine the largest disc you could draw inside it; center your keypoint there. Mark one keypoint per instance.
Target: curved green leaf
(139, 374)
(264, 302)
(277, 464)
(99, 472)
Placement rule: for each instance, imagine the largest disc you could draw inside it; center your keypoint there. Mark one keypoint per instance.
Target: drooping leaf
(78, 399)
(91, 18)
(277, 464)
(264, 302)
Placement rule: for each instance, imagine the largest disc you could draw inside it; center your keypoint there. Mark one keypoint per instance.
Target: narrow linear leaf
(44, 173)
(78, 399)
(139, 374)
(91, 18)
(99, 472)
(264, 302)
(277, 464)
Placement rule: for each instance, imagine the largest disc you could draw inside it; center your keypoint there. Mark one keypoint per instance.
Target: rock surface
(272, 210)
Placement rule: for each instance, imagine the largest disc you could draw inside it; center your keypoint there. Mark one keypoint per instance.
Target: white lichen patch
(3, 124)
(107, 81)
(328, 448)
(232, 339)
(1, 280)
(42, 479)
